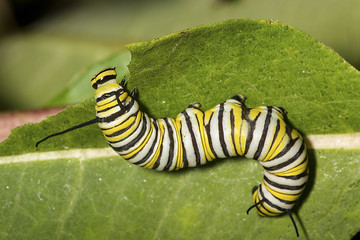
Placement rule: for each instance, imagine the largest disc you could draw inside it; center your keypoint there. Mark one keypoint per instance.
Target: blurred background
(44, 44)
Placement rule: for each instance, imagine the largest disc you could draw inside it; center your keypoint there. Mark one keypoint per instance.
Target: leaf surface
(91, 196)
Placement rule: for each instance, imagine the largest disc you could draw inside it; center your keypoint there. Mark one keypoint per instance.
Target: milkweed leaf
(73, 187)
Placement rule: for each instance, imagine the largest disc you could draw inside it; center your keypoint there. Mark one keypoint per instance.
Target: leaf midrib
(315, 142)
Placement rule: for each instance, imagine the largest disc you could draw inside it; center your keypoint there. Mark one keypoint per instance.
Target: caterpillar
(195, 138)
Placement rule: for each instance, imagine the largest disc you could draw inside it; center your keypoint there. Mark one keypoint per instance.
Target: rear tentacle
(293, 222)
(255, 205)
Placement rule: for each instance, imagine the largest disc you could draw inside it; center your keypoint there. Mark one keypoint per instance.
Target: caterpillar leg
(132, 101)
(196, 105)
(122, 83)
(284, 112)
(240, 98)
(122, 107)
(254, 189)
(132, 94)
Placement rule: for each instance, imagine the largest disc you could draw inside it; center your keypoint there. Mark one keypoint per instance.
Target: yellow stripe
(179, 160)
(204, 138)
(244, 130)
(295, 170)
(283, 196)
(107, 113)
(262, 211)
(126, 124)
(256, 199)
(109, 87)
(237, 111)
(105, 88)
(103, 103)
(254, 112)
(139, 148)
(279, 143)
(124, 134)
(206, 116)
(101, 75)
(151, 163)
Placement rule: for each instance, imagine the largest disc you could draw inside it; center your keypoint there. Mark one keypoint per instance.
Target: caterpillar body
(195, 137)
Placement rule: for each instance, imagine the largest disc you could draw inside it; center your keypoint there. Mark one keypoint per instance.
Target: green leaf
(78, 88)
(88, 192)
(271, 64)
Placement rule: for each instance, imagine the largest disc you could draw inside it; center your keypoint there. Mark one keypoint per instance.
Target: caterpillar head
(108, 90)
(106, 85)
(105, 76)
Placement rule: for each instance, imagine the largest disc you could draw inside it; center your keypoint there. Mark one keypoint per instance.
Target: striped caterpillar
(195, 137)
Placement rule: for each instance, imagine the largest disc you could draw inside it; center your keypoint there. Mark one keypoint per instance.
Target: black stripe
(238, 98)
(130, 104)
(157, 162)
(142, 116)
(111, 117)
(260, 200)
(263, 200)
(264, 133)
(107, 95)
(168, 131)
(193, 138)
(270, 203)
(295, 177)
(244, 113)
(283, 200)
(208, 130)
(221, 130)
(185, 161)
(172, 145)
(277, 130)
(108, 108)
(104, 128)
(289, 161)
(201, 140)
(151, 150)
(232, 124)
(104, 70)
(286, 148)
(122, 130)
(135, 140)
(105, 79)
(283, 186)
(251, 130)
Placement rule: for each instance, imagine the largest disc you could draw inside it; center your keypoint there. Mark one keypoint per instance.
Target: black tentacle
(92, 121)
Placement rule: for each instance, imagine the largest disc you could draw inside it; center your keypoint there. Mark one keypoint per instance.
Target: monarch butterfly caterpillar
(196, 137)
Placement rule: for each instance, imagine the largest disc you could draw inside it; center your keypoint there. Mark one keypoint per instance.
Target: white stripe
(257, 133)
(144, 151)
(269, 136)
(165, 154)
(187, 138)
(284, 181)
(274, 201)
(214, 133)
(134, 135)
